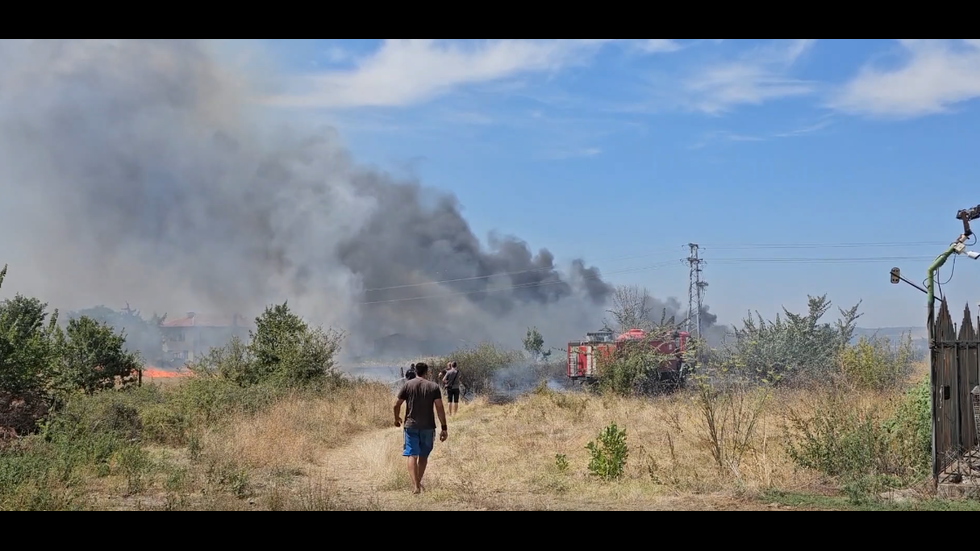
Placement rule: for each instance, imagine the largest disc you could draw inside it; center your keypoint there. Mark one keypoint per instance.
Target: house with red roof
(189, 338)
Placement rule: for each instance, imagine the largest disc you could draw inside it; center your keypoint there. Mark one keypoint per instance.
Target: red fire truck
(585, 357)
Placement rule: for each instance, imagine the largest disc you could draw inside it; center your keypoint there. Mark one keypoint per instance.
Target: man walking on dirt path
(420, 396)
(451, 380)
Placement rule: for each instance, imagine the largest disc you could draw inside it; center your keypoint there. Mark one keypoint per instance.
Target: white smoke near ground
(515, 380)
(138, 171)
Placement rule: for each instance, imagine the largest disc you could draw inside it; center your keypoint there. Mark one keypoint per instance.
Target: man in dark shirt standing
(451, 380)
(420, 396)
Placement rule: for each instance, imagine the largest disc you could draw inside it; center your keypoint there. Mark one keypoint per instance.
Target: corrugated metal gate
(955, 373)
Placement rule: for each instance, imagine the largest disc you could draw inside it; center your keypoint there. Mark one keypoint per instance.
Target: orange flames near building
(154, 373)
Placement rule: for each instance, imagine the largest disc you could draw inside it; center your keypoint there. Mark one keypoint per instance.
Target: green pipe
(931, 277)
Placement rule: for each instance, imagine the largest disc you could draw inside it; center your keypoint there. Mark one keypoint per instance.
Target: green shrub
(730, 416)
(135, 464)
(874, 364)
(86, 437)
(163, 423)
(479, 364)
(840, 440)
(283, 351)
(608, 453)
(793, 346)
(625, 375)
(911, 430)
(206, 401)
(634, 368)
(561, 462)
(33, 478)
(862, 450)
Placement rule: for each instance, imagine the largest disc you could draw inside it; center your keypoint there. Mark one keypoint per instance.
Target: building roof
(206, 320)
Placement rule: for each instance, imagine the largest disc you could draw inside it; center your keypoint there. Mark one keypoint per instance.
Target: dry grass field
(340, 451)
(818, 422)
(337, 449)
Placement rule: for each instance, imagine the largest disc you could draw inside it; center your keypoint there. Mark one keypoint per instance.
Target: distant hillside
(920, 337)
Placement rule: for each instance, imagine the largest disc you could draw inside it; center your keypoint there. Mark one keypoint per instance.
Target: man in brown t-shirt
(420, 396)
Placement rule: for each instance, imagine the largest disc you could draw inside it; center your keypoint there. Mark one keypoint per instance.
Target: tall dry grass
(338, 449)
(296, 432)
(532, 453)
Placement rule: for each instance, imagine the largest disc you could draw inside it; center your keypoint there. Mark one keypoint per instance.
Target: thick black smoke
(137, 171)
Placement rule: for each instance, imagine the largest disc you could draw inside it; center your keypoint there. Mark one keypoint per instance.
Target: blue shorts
(419, 442)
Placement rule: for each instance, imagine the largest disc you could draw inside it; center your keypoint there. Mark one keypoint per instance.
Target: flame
(154, 373)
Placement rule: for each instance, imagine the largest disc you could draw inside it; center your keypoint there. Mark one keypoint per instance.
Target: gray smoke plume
(137, 171)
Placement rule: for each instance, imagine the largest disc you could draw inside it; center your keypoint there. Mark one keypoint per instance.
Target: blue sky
(622, 151)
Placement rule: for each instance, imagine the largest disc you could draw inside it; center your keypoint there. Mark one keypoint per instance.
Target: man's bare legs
(416, 470)
(423, 463)
(413, 473)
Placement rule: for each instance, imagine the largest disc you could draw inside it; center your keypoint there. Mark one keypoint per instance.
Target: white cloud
(336, 54)
(760, 75)
(410, 71)
(938, 74)
(728, 136)
(658, 45)
(469, 117)
(809, 129)
(574, 153)
(725, 136)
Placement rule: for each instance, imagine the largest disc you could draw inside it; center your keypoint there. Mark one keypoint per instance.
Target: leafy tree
(142, 335)
(283, 349)
(277, 334)
(534, 342)
(91, 357)
(482, 364)
(26, 350)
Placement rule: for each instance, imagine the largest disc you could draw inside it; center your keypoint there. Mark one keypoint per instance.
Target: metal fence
(955, 373)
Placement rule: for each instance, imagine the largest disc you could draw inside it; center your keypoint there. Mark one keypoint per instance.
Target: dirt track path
(369, 472)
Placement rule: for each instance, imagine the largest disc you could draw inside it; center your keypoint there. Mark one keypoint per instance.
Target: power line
(528, 271)
(520, 286)
(855, 260)
(657, 252)
(746, 246)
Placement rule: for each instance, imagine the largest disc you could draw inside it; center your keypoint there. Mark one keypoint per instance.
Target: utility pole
(695, 297)
(692, 261)
(701, 286)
